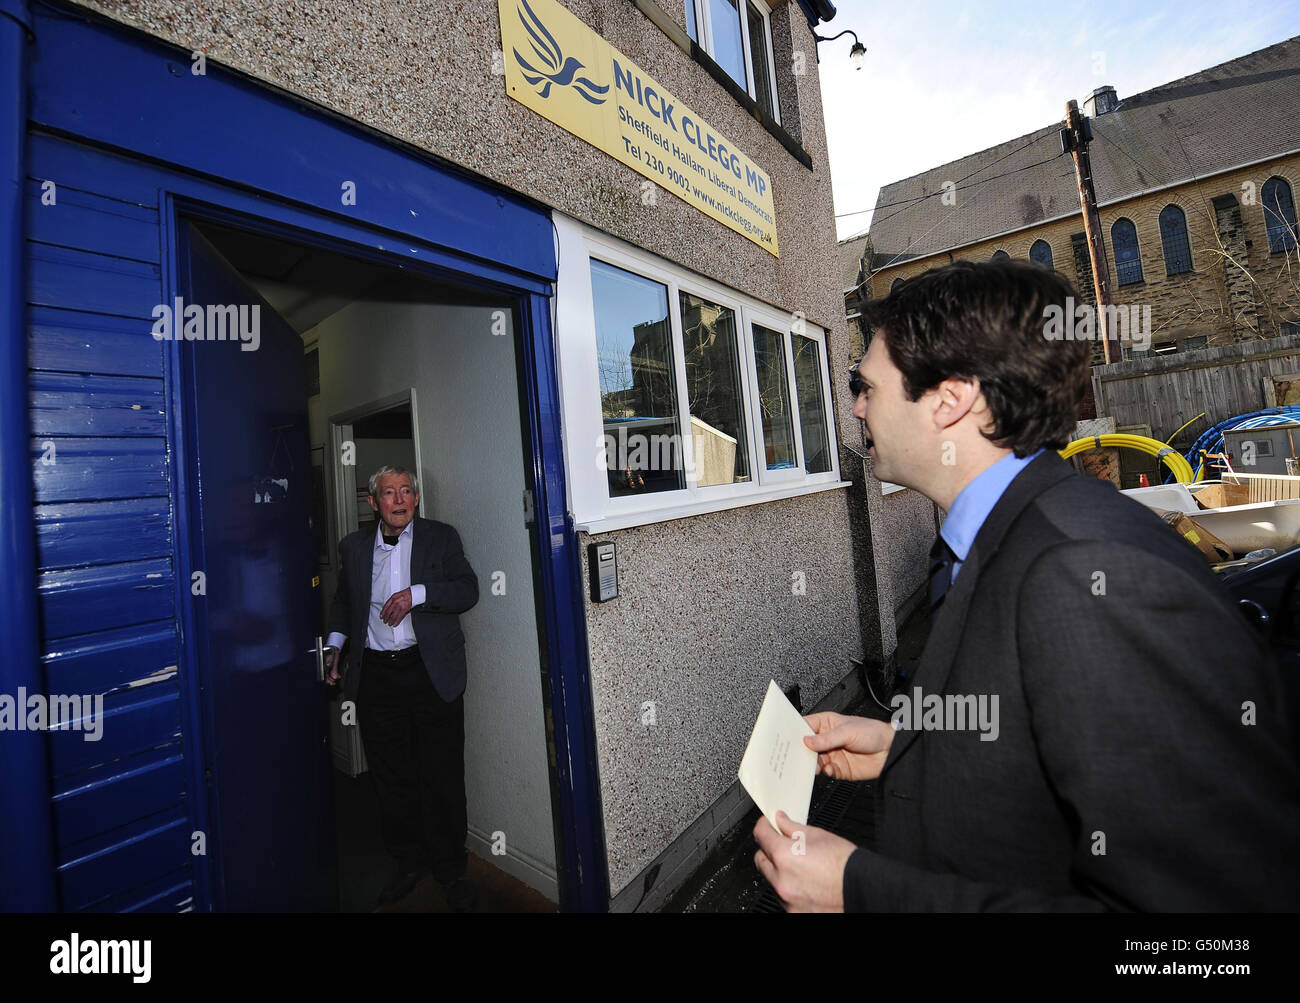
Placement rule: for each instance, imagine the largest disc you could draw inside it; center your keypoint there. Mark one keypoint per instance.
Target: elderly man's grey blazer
(451, 587)
(1143, 759)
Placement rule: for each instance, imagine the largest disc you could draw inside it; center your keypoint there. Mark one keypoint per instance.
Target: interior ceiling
(306, 285)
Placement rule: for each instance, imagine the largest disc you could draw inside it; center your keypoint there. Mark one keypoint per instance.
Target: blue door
(267, 764)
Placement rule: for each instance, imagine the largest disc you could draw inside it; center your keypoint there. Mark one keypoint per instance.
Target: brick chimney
(1102, 100)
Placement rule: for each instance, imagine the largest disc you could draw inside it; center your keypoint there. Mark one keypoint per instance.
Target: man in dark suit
(1092, 724)
(400, 590)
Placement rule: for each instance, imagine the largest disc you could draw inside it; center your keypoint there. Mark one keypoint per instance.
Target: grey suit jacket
(451, 587)
(1124, 774)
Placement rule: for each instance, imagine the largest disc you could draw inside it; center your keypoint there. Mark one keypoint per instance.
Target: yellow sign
(564, 71)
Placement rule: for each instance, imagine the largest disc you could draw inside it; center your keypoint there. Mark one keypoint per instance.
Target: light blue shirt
(972, 506)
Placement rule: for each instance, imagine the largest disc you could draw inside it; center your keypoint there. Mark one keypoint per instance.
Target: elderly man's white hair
(373, 485)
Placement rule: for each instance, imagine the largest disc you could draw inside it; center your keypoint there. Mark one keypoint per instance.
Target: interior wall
(375, 453)
(470, 444)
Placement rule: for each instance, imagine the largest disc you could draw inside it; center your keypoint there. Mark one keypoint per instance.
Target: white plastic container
(1165, 498)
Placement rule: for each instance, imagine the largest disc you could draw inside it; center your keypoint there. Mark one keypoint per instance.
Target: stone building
(1196, 184)
(475, 237)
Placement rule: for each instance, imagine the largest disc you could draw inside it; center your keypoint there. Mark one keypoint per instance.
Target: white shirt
(390, 573)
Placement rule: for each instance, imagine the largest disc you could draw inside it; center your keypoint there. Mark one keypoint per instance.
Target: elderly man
(400, 590)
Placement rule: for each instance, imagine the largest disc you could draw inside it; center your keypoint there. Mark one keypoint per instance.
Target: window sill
(629, 520)
(886, 488)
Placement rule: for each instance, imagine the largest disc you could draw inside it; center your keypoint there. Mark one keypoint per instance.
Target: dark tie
(942, 559)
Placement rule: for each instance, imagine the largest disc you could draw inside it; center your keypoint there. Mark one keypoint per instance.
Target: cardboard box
(1202, 539)
(1222, 495)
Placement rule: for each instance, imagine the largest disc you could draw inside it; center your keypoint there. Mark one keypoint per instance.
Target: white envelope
(777, 769)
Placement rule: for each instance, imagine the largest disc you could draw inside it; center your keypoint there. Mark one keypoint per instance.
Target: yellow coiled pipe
(1171, 458)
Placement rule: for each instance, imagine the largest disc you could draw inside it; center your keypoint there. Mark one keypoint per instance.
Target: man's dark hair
(988, 321)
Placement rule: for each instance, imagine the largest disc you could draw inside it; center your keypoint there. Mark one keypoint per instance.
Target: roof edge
(817, 11)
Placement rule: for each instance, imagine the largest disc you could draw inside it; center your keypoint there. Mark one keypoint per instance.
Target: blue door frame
(195, 131)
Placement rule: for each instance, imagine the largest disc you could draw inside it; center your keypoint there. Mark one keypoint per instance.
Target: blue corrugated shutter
(104, 531)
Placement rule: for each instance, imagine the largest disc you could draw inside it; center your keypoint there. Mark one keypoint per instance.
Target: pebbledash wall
(709, 606)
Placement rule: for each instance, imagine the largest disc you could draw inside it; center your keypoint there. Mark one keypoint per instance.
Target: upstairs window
(1279, 215)
(738, 35)
(1173, 237)
(1041, 254)
(1124, 242)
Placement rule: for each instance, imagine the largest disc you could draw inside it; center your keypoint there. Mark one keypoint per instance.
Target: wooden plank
(81, 404)
(98, 283)
(81, 533)
(74, 342)
(98, 469)
(118, 794)
(85, 600)
(70, 164)
(138, 856)
(90, 222)
(125, 731)
(109, 660)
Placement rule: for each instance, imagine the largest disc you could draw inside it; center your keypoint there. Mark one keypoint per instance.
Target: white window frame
(704, 26)
(593, 508)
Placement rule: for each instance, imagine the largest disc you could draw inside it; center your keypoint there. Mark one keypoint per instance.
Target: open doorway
(421, 372)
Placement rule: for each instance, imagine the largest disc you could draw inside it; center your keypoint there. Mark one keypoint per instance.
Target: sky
(943, 79)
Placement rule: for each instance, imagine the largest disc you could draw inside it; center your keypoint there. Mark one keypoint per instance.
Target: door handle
(323, 652)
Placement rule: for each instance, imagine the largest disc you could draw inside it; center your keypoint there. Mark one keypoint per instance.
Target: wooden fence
(1166, 391)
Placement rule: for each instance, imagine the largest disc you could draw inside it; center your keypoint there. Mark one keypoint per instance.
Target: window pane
(1000, 256)
(1173, 237)
(690, 21)
(713, 392)
(1041, 253)
(774, 399)
(728, 47)
(758, 46)
(812, 406)
(1279, 215)
(1128, 263)
(638, 397)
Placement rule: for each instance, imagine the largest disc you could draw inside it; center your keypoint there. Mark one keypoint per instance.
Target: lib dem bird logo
(557, 70)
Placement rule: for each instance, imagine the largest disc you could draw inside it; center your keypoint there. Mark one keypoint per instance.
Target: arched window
(1041, 254)
(1279, 215)
(1173, 236)
(1124, 242)
(893, 286)
(1000, 256)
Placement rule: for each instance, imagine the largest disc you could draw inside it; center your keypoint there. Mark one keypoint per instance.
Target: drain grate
(844, 807)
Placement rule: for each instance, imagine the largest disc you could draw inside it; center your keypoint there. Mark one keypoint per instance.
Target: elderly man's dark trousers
(415, 751)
